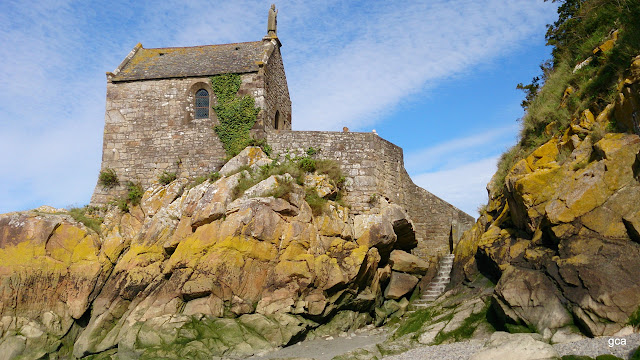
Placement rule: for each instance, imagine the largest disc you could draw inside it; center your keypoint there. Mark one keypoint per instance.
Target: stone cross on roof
(272, 23)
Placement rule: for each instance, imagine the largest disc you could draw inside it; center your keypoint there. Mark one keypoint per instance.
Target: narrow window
(202, 104)
(276, 120)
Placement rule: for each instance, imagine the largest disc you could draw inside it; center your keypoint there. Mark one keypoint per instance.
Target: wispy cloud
(453, 153)
(401, 50)
(463, 186)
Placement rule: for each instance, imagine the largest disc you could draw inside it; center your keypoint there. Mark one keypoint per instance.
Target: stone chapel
(159, 118)
(158, 109)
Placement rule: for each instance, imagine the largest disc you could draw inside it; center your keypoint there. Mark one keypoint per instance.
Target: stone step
(436, 290)
(438, 283)
(419, 306)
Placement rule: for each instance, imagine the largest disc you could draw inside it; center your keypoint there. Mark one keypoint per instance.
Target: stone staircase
(437, 285)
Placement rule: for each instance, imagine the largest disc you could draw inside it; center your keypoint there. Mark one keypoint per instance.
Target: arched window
(276, 120)
(202, 104)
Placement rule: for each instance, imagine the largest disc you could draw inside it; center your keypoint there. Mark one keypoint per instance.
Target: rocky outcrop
(51, 270)
(196, 270)
(561, 239)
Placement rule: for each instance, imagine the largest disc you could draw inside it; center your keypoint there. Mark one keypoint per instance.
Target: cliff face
(196, 271)
(562, 237)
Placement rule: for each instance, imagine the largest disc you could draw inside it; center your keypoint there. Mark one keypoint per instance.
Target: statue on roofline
(272, 24)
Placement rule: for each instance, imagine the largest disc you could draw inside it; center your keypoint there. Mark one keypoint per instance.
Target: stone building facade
(158, 109)
(159, 118)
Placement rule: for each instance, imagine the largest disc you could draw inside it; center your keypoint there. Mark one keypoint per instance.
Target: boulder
(267, 186)
(250, 156)
(503, 345)
(158, 196)
(321, 184)
(400, 285)
(213, 203)
(404, 262)
(372, 230)
(529, 297)
(402, 226)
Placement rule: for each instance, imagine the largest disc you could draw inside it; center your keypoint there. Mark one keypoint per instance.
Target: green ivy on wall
(236, 115)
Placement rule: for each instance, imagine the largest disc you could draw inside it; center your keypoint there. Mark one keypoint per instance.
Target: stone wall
(150, 127)
(376, 166)
(277, 92)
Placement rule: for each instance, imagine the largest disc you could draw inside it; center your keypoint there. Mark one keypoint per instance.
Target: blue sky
(434, 77)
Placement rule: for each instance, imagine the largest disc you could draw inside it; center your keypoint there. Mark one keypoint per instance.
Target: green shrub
(506, 162)
(84, 216)
(283, 188)
(576, 357)
(311, 151)
(244, 183)
(297, 167)
(597, 133)
(612, 126)
(166, 177)
(317, 204)
(108, 178)
(133, 197)
(332, 169)
(122, 204)
(307, 164)
(636, 354)
(213, 177)
(135, 192)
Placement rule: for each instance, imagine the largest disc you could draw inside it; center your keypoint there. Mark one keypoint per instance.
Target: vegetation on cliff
(594, 43)
(561, 232)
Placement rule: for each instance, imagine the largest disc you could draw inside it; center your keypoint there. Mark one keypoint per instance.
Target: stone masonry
(376, 167)
(150, 125)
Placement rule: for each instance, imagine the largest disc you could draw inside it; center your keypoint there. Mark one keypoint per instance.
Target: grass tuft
(167, 177)
(87, 216)
(108, 178)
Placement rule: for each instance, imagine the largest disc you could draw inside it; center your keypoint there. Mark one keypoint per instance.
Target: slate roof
(208, 60)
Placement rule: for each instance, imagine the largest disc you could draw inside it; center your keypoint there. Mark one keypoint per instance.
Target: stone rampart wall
(376, 166)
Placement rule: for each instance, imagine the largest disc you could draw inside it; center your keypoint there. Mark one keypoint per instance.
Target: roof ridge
(197, 46)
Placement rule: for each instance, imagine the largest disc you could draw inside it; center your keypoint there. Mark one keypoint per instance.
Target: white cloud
(463, 186)
(460, 150)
